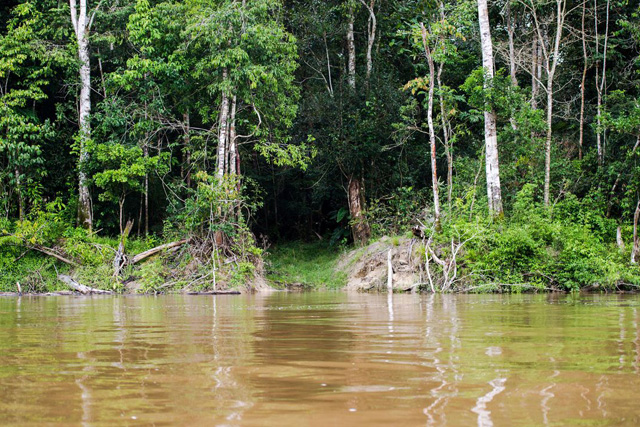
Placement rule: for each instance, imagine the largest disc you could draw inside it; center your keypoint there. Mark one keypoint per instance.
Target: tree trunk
(146, 193)
(371, 30)
(490, 135)
(551, 72)
(19, 194)
(351, 51)
(432, 134)
(81, 28)
(584, 79)
(512, 51)
(600, 82)
(223, 135)
(121, 211)
(535, 82)
(360, 228)
(636, 244)
(233, 148)
(187, 148)
(512, 58)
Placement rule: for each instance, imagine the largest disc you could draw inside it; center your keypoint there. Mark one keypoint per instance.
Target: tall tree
(494, 191)
(82, 26)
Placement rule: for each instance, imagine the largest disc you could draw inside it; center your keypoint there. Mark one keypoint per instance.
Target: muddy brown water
(321, 359)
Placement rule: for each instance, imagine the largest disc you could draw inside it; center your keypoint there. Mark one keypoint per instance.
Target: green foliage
(152, 275)
(309, 264)
(530, 247)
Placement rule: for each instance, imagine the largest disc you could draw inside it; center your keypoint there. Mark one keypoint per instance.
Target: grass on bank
(312, 265)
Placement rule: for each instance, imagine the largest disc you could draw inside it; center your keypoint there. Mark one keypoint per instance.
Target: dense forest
(501, 136)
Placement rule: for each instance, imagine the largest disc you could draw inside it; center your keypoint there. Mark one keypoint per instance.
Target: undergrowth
(312, 265)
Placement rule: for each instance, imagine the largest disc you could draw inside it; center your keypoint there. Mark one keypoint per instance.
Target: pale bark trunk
(536, 72)
(19, 194)
(601, 81)
(490, 135)
(551, 71)
(351, 51)
(146, 193)
(584, 79)
(233, 148)
(187, 148)
(636, 244)
(360, 228)
(223, 134)
(512, 50)
(619, 240)
(512, 58)
(432, 134)
(371, 29)
(81, 28)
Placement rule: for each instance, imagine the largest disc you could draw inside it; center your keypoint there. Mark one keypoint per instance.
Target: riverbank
(529, 252)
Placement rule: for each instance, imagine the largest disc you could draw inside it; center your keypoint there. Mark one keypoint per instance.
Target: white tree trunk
(233, 148)
(371, 35)
(223, 134)
(351, 51)
(432, 134)
(636, 244)
(81, 29)
(490, 135)
(601, 81)
(585, 59)
(551, 72)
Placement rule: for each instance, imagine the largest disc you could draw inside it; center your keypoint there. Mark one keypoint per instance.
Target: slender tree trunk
(490, 133)
(512, 58)
(81, 28)
(600, 82)
(636, 244)
(432, 134)
(351, 51)
(584, 79)
(512, 51)
(360, 229)
(187, 148)
(371, 30)
(146, 193)
(19, 194)
(223, 135)
(233, 148)
(535, 82)
(121, 210)
(551, 66)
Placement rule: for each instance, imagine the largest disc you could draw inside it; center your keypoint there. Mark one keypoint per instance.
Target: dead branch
(70, 282)
(153, 251)
(52, 253)
(120, 258)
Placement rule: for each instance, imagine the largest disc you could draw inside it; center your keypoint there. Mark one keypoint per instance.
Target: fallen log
(70, 282)
(153, 251)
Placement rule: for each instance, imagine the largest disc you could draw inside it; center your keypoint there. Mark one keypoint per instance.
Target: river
(321, 359)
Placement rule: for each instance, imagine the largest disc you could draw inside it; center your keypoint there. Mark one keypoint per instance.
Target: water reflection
(318, 359)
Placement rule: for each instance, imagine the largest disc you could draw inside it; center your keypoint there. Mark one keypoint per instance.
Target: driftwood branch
(153, 251)
(70, 282)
